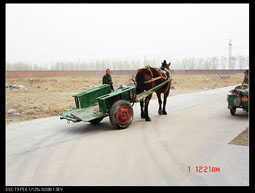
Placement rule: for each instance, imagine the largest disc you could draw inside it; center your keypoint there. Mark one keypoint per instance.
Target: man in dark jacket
(107, 79)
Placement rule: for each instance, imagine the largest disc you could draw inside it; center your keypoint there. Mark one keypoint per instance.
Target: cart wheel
(233, 110)
(96, 121)
(121, 114)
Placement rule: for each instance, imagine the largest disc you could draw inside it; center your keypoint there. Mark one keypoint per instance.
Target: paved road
(164, 152)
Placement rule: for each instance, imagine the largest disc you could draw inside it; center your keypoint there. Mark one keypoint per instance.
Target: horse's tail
(139, 82)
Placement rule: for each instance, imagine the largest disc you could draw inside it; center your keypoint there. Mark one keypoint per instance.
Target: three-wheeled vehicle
(97, 103)
(238, 98)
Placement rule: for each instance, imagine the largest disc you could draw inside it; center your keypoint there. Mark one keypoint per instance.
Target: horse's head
(167, 66)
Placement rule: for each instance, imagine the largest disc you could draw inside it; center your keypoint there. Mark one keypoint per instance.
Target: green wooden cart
(238, 98)
(97, 103)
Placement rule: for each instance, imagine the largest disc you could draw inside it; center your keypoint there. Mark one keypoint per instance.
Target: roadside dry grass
(44, 97)
(242, 138)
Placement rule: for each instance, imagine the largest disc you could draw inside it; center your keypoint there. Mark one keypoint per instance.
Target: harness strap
(153, 79)
(156, 78)
(149, 69)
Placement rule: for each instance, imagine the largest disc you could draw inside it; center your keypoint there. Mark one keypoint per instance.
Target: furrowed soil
(50, 96)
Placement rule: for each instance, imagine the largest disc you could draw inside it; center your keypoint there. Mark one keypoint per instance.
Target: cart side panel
(77, 103)
(106, 101)
(232, 98)
(87, 98)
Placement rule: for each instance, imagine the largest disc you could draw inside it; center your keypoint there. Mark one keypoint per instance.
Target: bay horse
(149, 77)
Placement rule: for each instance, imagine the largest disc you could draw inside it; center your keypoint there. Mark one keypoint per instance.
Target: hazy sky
(40, 33)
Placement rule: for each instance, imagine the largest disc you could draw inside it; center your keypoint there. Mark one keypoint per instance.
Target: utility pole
(230, 53)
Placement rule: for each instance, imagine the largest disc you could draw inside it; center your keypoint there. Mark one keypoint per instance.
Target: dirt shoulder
(242, 138)
(33, 98)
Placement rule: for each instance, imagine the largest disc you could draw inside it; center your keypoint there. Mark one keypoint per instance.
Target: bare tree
(223, 62)
(215, 63)
(185, 63)
(191, 63)
(241, 61)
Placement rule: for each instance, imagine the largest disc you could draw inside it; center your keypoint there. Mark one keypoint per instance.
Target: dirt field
(49, 96)
(52, 73)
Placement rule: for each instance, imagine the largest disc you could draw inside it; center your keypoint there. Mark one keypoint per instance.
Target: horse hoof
(142, 116)
(148, 119)
(160, 112)
(165, 113)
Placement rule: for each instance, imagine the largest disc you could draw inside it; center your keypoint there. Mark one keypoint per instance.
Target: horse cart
(97, 103)
(238, 98)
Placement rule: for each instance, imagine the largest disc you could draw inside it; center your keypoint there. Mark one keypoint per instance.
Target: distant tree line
(209, 63)
(213, 63)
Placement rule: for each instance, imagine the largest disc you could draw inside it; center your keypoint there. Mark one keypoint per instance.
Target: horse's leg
(164, 103)
(142, 112)
(147, 100)
(160, 103)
